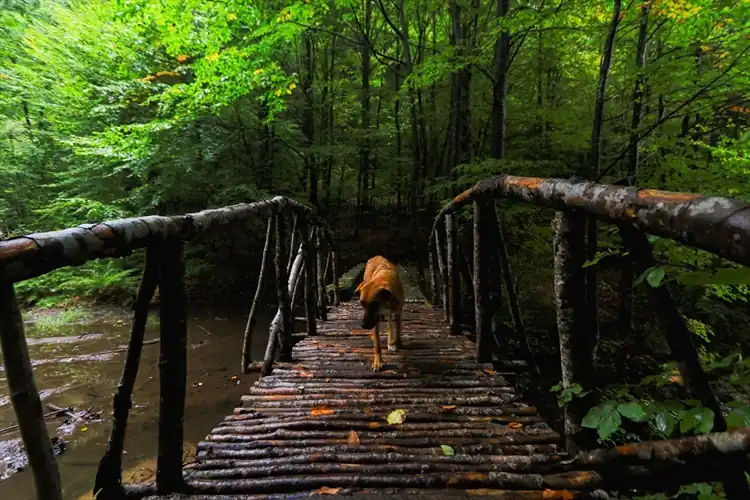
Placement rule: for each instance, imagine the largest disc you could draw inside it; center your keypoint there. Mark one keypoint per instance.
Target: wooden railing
(163, 238)
(718, 225)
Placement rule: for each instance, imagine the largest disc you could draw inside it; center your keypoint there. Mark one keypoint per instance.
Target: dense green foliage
(110, 108)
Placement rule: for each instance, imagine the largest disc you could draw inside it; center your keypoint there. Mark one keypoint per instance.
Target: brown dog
(381, 291)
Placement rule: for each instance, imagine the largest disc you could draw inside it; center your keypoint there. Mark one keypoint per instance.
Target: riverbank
(78, 354)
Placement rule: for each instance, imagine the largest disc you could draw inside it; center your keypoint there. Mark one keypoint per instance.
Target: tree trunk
(308, 115)
(500, 88)
(596, 143)
(625, 318)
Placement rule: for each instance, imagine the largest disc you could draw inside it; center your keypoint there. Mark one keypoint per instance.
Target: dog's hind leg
(377, 362)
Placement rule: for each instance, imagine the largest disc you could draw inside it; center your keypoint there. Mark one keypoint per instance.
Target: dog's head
(373, 296)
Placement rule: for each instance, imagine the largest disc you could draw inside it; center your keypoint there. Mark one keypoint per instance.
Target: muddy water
(81, 365)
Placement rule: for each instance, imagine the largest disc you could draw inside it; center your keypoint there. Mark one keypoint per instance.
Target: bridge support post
(109, 475)
(283, 342)
(251, 318)
(335, 277)
(172, 367)
(322, 302)
(312, 326)
(443, 270)
(25, 397)
(570, 285)
(454, 276)
(482, 318)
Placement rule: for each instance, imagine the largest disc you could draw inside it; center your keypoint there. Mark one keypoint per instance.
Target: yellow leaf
(396, 417)
(258, 71)
(213, 57)
(278, 93)
(292, 86)
(231, 17)
(515, 425)
(84, 429)
(325, 490)
(353, 439)
(182, 58)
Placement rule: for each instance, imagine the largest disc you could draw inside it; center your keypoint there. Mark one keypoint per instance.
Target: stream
(79, 365)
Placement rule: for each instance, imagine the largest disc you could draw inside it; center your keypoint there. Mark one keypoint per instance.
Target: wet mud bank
(78, 357)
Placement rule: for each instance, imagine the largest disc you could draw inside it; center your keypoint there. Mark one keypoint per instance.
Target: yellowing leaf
(353, 439)
(182, 58)
(231, 17)
(396, 417)
(292, 86)
(325, 490)
(258, 71)
(213, 57)
(84, 429)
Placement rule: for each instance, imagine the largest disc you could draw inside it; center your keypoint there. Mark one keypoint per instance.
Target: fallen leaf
(84, 429)
(353, 438)
(489, 371)
(515, 425)
(396, 417)
(448, 451)
(316, 412)
(449, 407)
(325, 490)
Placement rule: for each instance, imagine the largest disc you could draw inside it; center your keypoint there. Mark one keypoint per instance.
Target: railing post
(292, 243)
(443, 270)
(282, 290)
(434, 294)
(109, 475)
(172, 366)
(322, 302)
(25, 397)
(251, 318)
(312, 326)
(335, 277)
(454, 277)
(570, 285)
(481, 293)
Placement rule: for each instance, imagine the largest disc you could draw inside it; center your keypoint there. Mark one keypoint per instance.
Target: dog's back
(382, 273)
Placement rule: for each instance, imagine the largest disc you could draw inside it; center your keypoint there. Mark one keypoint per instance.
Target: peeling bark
(575, 354)
(322, 305)
(712, 223)
(38, 253)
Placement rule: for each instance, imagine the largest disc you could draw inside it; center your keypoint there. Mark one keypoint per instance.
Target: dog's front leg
(377, 362)
(393, 338)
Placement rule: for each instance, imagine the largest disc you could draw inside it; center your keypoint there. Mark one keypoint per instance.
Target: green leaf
(739, 417)
(632, 411)
(448, 451)
(664, 422)
(655, 276)
(593, 418)
(610, 422)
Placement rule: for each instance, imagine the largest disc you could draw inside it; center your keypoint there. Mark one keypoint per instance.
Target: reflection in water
(82, 369)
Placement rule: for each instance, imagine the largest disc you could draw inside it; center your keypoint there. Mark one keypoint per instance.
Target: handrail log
(32, 255)
(713, 223)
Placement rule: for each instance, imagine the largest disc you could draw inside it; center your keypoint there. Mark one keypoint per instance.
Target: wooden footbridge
(442, 418)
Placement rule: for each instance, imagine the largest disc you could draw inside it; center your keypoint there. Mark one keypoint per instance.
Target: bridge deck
(319, 425)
